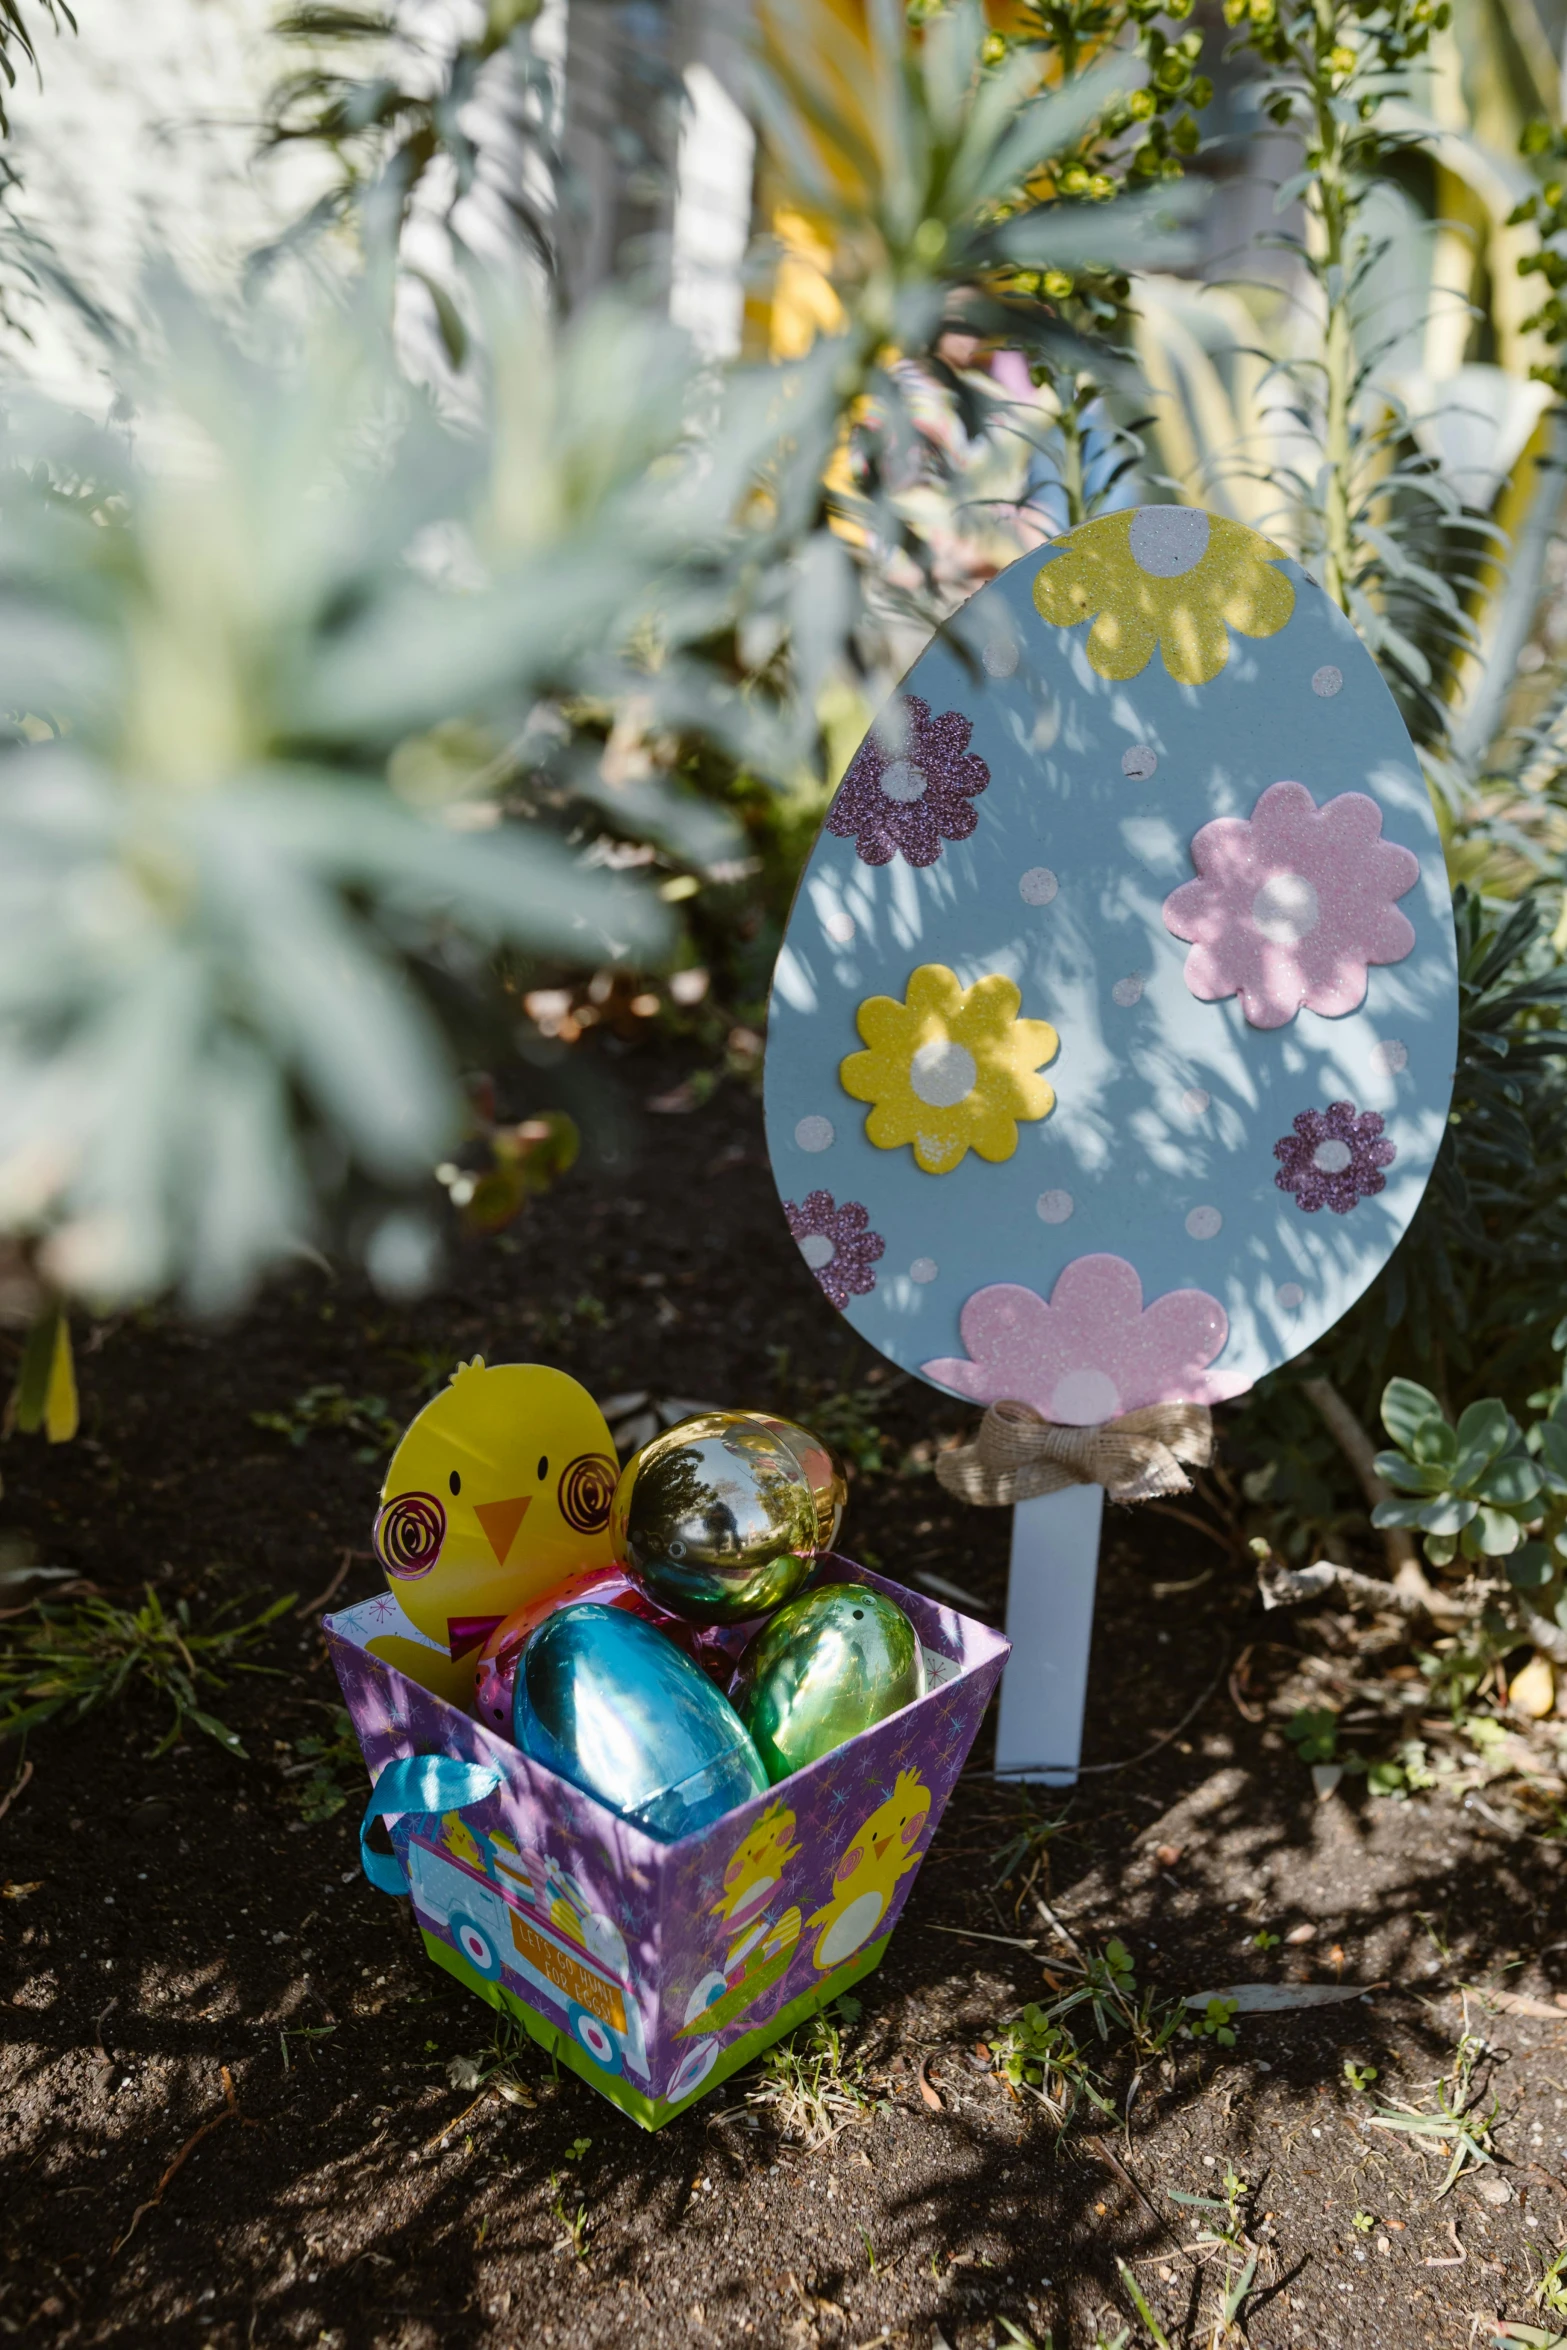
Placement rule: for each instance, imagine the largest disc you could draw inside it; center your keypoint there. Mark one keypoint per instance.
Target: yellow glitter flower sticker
(951, 1069)
(1170, 578)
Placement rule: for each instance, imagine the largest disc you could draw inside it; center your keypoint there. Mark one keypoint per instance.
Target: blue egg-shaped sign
(1112, 1036)
(609, 1703)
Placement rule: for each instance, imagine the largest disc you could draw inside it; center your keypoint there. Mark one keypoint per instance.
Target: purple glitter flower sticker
(836, 1244)
(910, 786)
(1334, 1158)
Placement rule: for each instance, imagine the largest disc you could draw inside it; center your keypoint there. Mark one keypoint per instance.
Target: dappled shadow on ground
(168, 1919)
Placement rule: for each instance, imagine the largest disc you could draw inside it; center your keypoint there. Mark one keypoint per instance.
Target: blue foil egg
(605, 1700)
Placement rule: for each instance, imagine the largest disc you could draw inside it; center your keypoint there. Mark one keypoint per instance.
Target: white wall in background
(143, 136)
(712, 223)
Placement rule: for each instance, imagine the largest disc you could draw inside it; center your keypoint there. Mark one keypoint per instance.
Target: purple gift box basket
(656, 1970)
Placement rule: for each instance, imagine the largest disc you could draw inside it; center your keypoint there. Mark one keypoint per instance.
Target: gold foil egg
(724, 1516)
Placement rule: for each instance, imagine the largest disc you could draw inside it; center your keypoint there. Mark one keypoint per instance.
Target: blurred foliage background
(463, 591)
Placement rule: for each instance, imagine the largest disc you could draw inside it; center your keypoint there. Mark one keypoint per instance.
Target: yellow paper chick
(880, 1853)
(498, 1491)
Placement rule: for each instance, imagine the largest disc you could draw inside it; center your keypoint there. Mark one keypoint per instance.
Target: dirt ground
(167, 1919)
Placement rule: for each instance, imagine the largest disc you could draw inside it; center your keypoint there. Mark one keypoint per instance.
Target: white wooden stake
(1050, 1622)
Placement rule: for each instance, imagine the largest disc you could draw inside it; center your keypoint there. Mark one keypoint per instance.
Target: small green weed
(1225, 2231)
(1217, 2022)
(1314, 1732)
(329, 1770)
(1457, 2122)
(575, 2225)
(496, 2066)
(1038, 2049)
(329, 1410)
(305, 2032)
(1139, 2301)
(1025, 1857)
(844, 1417)
(1264, 1940)
(1550, 2294)
(813, 2084)
(70, 1660)
(1363, 2223)
(1035, 2052)
(1359, 2076)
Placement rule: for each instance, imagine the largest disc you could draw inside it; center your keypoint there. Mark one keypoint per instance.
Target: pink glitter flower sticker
(837, 1245)
(1292, 905)
(910, 786)
(1334, 1158)
(1094, 1351)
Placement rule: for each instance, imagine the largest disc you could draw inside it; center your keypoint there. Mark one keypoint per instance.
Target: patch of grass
(1224, 2230)
(844, 1417)
(1134, 2293)
(497, 2065)
(1457, 2127)
(330, 1410)
(812, 2082)
(1039, 2050)
(1025, 1857)
(330, 1770)
(68, 1661)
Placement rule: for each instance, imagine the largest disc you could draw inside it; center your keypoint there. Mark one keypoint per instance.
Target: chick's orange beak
(500, 1520)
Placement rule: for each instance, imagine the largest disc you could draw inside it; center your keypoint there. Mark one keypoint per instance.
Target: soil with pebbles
(166, 1919)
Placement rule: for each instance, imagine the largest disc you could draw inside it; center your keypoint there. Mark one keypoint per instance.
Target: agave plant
(243, 874)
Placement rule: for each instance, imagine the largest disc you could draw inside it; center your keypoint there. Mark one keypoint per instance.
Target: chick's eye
(455, 1482)
(544, 1469)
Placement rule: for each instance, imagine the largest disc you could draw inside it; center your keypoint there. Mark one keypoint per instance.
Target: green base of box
(653, 2112)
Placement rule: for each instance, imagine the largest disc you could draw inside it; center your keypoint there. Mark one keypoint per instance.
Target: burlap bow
(1017, 1454)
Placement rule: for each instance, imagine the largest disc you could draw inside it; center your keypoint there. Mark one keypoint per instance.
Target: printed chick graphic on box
(499, 1490)
(752, 1879)
(880, 1852)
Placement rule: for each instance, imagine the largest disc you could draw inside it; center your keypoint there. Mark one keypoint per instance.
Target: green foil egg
(724, 1516)
(826, 1666)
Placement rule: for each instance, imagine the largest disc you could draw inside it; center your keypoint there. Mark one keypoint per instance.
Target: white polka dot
(817, 1250)
(1327, 681)
(1204, 1223)
(1286, 909)
(1290, 1295)
(1054, 1207)
(839, 926)
(1390, 1056)
(1038, 886)
(1194, 1101)
(1139, 762)
(1332, 1156)
(1000, 656)
(814, 1134)
(1167, 541)
(1081, 1399)
(903, 782)
(1128, 990)
(923, 1269)
(943, 1073)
